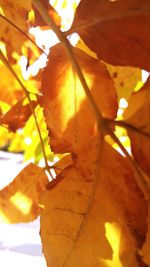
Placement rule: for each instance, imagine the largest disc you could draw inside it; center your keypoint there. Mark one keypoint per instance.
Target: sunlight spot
(74, 38)
(3, 218)
(22, 202)
(53, 173)
(145, 75)
(113, 233)
(66, 10)
(123, 103)
(28, 141)
(44, 39)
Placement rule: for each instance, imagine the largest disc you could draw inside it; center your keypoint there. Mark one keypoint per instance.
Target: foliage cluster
(94, 202)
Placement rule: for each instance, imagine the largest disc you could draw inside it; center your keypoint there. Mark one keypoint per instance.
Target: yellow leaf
(19, 201)
(68, 113)
(125, 79)
(84, 212)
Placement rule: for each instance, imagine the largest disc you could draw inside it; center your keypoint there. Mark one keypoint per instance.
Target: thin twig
(124, 124)
(5, 61)
(22, 32)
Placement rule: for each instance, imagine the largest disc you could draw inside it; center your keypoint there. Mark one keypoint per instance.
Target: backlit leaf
(69, 116)
(19, 201)
(117, 31)
(92, 210)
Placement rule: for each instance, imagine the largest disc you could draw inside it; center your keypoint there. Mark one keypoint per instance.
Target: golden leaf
(117, 31)
(19, 201)
(83, 211)
(68, 113)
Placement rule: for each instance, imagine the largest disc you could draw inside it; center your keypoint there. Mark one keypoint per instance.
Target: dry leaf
(137, 114)
(17, 116)
(117, 31)
(19, 201)
(79, 212)
(69, 116)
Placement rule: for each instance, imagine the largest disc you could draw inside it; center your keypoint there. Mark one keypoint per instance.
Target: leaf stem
(22, 32)
(5, 61)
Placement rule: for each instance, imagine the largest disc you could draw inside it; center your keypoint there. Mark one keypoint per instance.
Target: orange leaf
(69, 116)
(117, 31)
(17, 116)
(19, 201)
(83, 212)
(137, 114)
